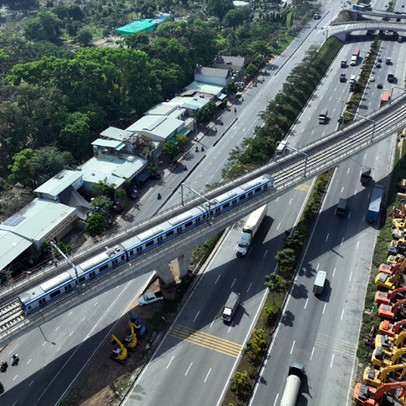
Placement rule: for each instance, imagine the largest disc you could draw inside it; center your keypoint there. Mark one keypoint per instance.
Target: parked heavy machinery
(130, 341)
(139, 325)
(397, 246)
(399, 223)
(366, 395)
(391, 296)
(398, 213)
(119, 353)
(390, 329)
(394, 342)
(383, 357)
(376, 377)
(390, 282)
(394, 259)
(390, 312)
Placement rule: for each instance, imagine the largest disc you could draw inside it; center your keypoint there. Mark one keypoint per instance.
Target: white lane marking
(311, 355)
(196, 316)
(266, 252)
(190, 366)
(214, 319)
(95, 304)
(291, 349)
(332, 359)
(342, 241)
(342, 314)
(71, 333)
(317, 267)
(30, 383)
(249, 287)
(276, 400)
(208, 373)
(357, 244)
(349, 214)
(324, 307)
(15, 378)
(334, 271)
(83, 318)
(342, 189)
(233, 283)
(170, 361)
(29, 361)
(350, 276)
(218, 277)
(307, 300)
(348, 170)
(58, 349)
(57, 329)
(70, 313)
(327, 236)
(277, 228)
(290, 201)
(44, 343)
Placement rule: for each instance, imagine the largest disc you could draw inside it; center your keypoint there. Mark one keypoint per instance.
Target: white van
(352, 79)
(280, 149)
(319, 282)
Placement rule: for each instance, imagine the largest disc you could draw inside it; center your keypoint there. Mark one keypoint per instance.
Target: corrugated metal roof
(205, 87)
(59, 183)
(11, 246)
(158, 126)
(117, 145)
(116, 134)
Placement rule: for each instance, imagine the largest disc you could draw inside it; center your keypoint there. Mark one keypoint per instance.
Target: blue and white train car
(50, 290)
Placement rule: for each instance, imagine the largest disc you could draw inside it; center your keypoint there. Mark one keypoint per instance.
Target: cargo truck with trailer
(249, 230)
(375, 204)
(292, 386)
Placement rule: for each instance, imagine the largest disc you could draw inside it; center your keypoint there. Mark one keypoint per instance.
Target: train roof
(99, 258)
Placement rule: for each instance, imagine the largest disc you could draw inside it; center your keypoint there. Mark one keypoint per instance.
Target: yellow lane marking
(206, 340)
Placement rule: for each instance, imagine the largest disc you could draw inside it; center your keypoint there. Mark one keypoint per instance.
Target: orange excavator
(390, 296)
(390, 329)
(383, 357)
(389, 312)
(394, 342)
(376, 377)
(366, 395)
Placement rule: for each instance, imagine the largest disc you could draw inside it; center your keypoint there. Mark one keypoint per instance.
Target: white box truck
(230, 307)
(249, 230)
(319, 282)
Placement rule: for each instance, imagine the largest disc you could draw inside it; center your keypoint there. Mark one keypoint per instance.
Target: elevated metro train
(54, 288)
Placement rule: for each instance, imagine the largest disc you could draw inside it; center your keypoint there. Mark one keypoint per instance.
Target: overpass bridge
(289, 171)
(340, 30)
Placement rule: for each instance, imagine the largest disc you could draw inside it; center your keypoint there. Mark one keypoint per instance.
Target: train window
(189, 223)
(149, 243)
(101, 269)
(160, 238)
(29, 307)
(226, 205)
(139, 249)
(91, 274)
(168, 234)
(131, 252)
(67, 287)
(41, 301)
(178, 229)
(243, 197)
(114, 262)
(82, 279)
(56, 293)
(258, 189)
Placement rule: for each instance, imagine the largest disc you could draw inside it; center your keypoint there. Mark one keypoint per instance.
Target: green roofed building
(146, 25)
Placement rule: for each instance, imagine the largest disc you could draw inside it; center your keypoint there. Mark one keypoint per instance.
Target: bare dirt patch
(105, 381)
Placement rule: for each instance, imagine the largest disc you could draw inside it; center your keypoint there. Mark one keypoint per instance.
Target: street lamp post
(367, 119)
(300, 152)
(391, 91)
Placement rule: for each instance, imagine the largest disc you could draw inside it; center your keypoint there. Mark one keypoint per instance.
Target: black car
(379, 60)
(379, 86)
(378, 65)
(133, 193)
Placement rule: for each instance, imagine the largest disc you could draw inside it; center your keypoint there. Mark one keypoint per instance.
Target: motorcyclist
(197, 149)
(159, 196)
(235, 110)
(14, 360)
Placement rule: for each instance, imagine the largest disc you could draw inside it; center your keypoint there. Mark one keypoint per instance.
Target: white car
(150, 298)
(371, 79)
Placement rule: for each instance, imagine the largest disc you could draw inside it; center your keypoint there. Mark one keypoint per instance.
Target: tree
(182, 140)
(95, 224)
(219, 8)
(101, 204)
(256, 346)
(84, 37)
(170, 150)
(103, 188)
(269, 312)
(240, 382)
(275, 283)
(46, 26)
(20, 169)
(286, 261)
(235, 17)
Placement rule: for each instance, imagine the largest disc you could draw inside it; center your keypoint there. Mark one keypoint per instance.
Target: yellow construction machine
(130, 341)
(119, 353)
